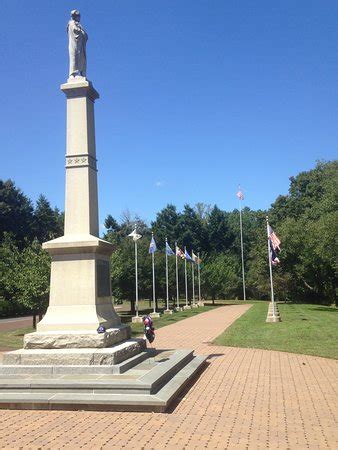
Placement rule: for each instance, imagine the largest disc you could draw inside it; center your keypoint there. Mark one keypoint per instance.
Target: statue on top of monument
(77, 38)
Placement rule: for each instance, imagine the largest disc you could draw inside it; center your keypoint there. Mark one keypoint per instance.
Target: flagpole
(136, 280)
(242, 251)
(166, 273)
(270, 267)
(136, 237)
(193, 280)
(153, 264)
(199, 278)
(186, 278)
(153, 261)
(177, 291)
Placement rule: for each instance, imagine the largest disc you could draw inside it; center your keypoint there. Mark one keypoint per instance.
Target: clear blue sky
(196, 96)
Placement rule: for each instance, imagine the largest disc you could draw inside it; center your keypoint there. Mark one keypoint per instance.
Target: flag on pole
(273, 255)
(180, 253)
(195, 258)
(168, 250)
(274, 245)
(134, 235)
(187, 256)
(152, 246)
(275, 241)
(240, 194)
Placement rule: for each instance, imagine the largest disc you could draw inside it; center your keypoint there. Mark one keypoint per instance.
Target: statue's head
(75, 15)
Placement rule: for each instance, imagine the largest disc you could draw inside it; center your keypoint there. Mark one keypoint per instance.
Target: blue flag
(168, 250)
(152, 246)
(187, 256)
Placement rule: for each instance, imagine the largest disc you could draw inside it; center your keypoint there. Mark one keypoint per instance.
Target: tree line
(304, 219)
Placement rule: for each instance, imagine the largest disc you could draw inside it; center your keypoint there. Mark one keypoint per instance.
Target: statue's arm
(74, 30)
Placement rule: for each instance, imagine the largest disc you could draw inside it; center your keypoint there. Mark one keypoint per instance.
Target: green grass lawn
(11, 340)
(307, 329)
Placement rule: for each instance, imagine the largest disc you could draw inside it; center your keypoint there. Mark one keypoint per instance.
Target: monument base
(186, 307)
(178, 309)
(136, 319)
(273, 319)
(194, 305)
(273, 314)
(80, 292)
(155, 315)
(75, 356)
(76, 339)
(168, 311)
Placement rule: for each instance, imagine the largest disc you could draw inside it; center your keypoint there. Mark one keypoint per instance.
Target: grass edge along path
(305, 329)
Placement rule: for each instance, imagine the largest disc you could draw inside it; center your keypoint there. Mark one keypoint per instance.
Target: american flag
(240, 195)
(273, 255)
(180, 253)
(275, 241)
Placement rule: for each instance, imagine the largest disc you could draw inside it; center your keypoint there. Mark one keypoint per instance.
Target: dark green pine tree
(221, 237)
(191, 230)
(166, 225)
(46, 221)
(16, 213)
(111, 224)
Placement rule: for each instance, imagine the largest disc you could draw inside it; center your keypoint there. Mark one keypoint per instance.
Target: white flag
(135, 236)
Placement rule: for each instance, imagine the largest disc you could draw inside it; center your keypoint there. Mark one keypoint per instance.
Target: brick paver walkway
(246, 398)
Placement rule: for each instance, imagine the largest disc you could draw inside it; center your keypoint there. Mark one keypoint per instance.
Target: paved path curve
(246, 398)
(15, 322)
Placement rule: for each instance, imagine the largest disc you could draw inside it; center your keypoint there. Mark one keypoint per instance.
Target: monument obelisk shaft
(81, 203)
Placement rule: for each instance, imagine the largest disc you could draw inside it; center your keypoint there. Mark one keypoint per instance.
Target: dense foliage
(24, 266)
(304, 219)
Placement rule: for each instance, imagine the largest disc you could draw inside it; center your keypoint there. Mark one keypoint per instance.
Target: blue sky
(196, 97)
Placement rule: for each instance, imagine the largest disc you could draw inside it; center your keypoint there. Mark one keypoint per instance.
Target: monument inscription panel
(103, 278)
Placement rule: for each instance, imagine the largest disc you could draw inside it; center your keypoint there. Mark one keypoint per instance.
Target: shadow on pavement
(186, 389)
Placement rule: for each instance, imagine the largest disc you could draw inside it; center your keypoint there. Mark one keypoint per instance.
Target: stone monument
(80, 289)
(67, 363)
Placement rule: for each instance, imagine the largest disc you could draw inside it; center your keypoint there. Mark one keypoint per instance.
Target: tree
(9, 261)
(16, 213)
(203, 211)
(111, 224)
(123, 271)
(47, 224)
(166, 225)
(190, 230)
(25, 278)
(220, 236)
(307, 223)
(220, 276)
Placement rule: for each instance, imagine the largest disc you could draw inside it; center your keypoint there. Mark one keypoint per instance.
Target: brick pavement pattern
(245, 399)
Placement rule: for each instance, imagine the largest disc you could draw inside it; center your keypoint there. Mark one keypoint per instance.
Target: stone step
(159, 375)
(132, 382)
(94, 401)
(67, 370)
